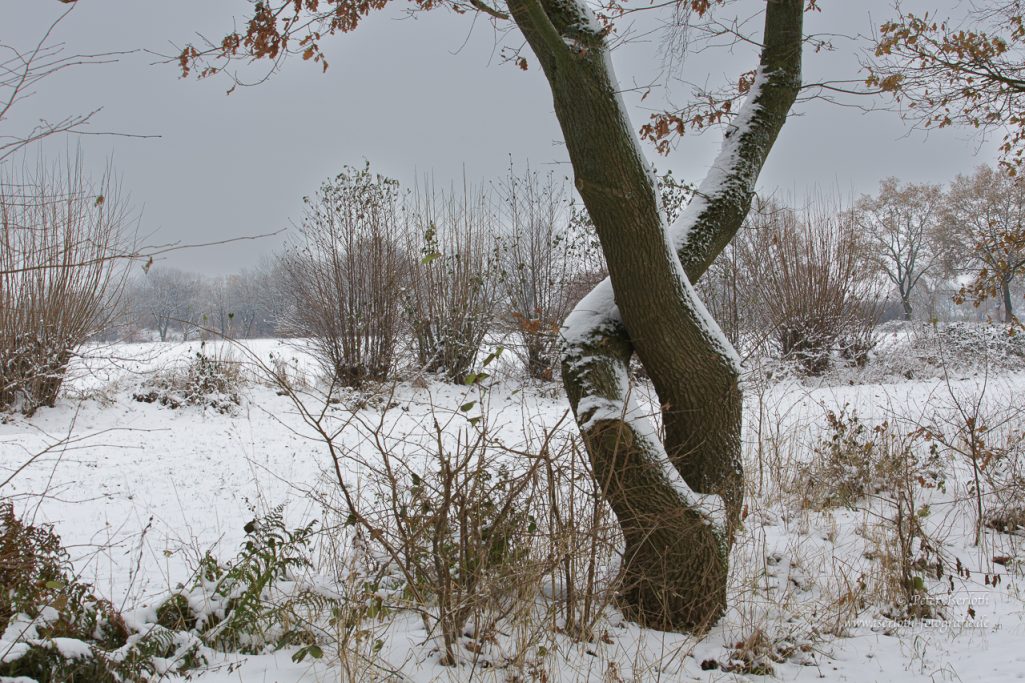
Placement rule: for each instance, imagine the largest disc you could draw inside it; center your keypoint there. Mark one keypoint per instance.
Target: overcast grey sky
(426, 94)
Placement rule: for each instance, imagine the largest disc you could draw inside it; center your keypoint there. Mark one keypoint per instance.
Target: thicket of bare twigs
(442, 269)
(817, 300)
(59, 278)
(539, 266)
(798, 286)
(453, 278)
(344, 275)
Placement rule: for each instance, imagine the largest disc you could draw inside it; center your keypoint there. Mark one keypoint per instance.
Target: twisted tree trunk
(678, 503)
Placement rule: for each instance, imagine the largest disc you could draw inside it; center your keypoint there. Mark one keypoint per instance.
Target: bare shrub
(345, 274)
(60, 236)
(909, 557)
(817, 299)
(991, 443)
(452, 278)
(882, 469)
(538, 266)
(475, 537)
(487, 544)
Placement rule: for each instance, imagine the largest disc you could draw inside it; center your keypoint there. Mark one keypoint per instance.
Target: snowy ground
(139, 492)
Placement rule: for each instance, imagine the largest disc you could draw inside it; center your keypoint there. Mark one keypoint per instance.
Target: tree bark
(1005, 286)
(678, 503)
(905, 301)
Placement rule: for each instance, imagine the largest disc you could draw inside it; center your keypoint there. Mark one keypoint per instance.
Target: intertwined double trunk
(678, 502)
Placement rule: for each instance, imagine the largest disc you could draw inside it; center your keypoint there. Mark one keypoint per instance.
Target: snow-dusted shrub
(977, 343)
(453, 278)
(343, 277)
(209, 380)
(855, 459)
(479, 540)
(990, 442)
(847, 464)
(756, 654)
(56, 629)
(285, 374)
(810, 276)
(880, 468)
(918, 350)
(263, 599)
(60, 240)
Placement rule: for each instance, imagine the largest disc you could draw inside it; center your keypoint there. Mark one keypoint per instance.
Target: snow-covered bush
(56, 629)
(855, 459)
(475, 538)
(209, 380)
(880, 468)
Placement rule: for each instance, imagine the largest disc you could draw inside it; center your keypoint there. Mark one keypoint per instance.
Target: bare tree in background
(169, 300)
(453, 277)
(58, 285)
(345, 276)
(901, 222)
(984, 225)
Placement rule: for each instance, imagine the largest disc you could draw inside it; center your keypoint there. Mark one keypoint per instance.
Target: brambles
(55, 627)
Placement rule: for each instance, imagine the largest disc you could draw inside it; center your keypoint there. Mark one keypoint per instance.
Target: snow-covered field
(139, 492)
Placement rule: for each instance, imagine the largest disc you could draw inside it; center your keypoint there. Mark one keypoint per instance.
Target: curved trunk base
(676, 559)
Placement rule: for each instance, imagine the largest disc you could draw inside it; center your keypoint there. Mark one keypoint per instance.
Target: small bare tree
(900, 223)
(59, 282)
(453, 278)
(345, 276)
